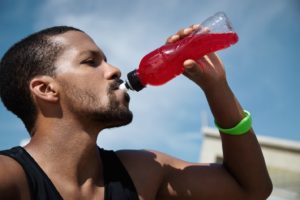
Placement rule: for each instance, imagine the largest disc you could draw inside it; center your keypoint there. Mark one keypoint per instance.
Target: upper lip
(115, 85)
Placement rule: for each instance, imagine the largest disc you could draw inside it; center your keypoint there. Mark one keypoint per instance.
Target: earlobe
(45, 88)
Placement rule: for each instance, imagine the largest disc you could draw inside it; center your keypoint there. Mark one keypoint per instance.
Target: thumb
(191, 67)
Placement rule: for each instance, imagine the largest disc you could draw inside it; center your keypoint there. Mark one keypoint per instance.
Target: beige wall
(282, 158)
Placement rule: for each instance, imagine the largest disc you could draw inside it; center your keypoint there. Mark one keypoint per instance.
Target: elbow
(267, 190)
(262, 191)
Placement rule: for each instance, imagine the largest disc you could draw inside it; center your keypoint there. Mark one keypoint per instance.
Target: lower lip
(123, 95)
(127, 97)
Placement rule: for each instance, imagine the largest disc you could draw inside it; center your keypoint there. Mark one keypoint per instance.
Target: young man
(58, 82)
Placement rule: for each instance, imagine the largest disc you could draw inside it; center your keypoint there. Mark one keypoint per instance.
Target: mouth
(127, 97)
(115, 86)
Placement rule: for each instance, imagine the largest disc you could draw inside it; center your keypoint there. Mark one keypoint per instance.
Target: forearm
(243, 158)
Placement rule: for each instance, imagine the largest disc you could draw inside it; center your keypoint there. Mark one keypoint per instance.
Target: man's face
(89, 85)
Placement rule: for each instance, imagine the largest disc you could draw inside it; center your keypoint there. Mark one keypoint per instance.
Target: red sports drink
(166, 62)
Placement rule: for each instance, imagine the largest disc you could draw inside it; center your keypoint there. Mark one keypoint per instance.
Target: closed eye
(91, 62)
(93, 58)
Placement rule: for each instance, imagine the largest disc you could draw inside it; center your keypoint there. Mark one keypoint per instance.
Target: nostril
(115, 76)
(119, 81)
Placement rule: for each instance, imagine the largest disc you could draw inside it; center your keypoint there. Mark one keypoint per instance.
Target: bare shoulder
(145, 169)
(169, 177)
(152, 157)
(153, 161)
(13, 183)
(139, 160)
(148, 169)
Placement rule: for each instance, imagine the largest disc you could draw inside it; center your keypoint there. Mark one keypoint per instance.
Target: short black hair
(32, 56)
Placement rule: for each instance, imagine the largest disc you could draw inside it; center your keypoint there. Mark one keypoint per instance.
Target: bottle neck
(134, 82)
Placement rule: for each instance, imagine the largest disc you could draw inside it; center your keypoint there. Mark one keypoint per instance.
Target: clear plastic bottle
(166, 62)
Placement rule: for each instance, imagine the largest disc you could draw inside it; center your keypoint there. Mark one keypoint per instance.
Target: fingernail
(187, 30)
(174, 37)
(188, 64)
(195, 26)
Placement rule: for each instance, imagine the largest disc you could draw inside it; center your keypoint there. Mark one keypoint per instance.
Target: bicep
(185, 180)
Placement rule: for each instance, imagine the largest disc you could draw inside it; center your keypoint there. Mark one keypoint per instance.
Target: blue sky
(262, 68)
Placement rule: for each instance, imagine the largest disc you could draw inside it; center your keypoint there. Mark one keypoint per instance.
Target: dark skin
(77, 172)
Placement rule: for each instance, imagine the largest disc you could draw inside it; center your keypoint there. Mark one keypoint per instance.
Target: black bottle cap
(134, 81)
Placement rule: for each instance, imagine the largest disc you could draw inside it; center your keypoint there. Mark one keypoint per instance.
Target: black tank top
(118, 184)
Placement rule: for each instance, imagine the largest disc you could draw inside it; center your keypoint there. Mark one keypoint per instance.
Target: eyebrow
(97, 53)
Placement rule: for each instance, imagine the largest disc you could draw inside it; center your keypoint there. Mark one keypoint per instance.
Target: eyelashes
(91, 62)
(93, 58)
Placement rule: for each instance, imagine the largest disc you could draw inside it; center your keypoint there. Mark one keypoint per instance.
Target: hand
(207, 72)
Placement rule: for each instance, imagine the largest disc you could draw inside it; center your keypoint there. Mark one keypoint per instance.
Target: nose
(112, 72)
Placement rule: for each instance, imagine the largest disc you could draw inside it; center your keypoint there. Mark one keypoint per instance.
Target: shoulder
(144, 169)
(140, 160)
(148, 169)
(165, 176)
(150, 158)
(153, 164)
(147, 155)
(13, 182)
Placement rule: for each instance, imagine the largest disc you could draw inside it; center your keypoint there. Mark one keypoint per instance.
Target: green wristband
(241, 128)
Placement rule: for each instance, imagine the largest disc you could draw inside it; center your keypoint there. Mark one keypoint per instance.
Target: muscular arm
(243, 174)
(243, 158)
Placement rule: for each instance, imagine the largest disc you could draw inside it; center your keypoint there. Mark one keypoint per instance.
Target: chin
(117, 113)
(113, 117)
(120, 121)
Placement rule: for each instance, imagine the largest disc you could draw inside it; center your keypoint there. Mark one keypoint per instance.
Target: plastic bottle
(166, 62)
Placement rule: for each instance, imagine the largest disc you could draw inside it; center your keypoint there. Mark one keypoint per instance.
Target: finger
(202, 63)
(173, 38)
(214, 58)
(205, 63)
(184, 32)
(188, 64)
(179, 35)
(195, 27)
(207, 60)
(202, 30)
(180, 32)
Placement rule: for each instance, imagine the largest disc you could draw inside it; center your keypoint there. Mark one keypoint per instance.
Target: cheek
(104, 101)
(84, 91)
(76, 94)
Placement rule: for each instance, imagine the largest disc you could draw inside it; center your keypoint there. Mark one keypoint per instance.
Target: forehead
(76, 46)
(76, 41)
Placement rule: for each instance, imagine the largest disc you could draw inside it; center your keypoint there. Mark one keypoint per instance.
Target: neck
(67, 147)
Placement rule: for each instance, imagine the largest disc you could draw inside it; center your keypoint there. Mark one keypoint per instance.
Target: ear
(45, 88)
